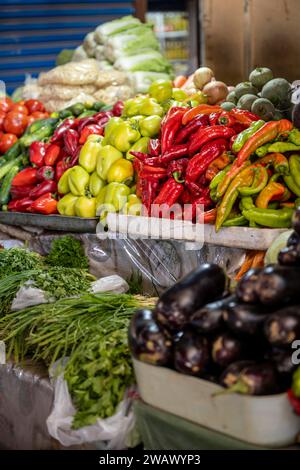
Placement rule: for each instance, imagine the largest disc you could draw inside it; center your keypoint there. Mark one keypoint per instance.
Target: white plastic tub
(264, 421)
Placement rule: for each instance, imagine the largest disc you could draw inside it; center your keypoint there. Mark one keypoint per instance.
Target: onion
(215, 91)
(202, 76)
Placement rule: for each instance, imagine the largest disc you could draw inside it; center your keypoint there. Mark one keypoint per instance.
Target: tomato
(19, 108)
(34, 105)
(30, 120)
(15, 123)
(6, 141)
(2, 117)
(39, 115)
(5, 104)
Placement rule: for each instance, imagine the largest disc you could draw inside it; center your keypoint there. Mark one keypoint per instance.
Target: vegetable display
(240, 340)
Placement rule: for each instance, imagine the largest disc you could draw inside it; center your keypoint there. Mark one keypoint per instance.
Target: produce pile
(241, 341)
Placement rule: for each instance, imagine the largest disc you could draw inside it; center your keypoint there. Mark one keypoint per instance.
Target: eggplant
(282, 359)
(278, 284)
(294, 239)
(246, 287)
(296, 221)
(176, 304)
(231, 374)
(148, 341)
(289, 256)
(209, 319)
(226, 349)
(283, 327)
(245, 319)
(191, 354)
(256, 379)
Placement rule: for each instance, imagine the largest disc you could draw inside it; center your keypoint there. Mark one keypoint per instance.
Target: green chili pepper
(263, 150)
(283, 147)
(218, 178)
(295, 168)
(245, 135)
(280, 218)
(294, 136)
(291, 184)
(239, 220)
(246, 203)
(259, 182)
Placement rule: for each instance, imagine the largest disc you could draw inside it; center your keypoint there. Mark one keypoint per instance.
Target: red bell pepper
(118, 108)
(37, 152)
(70, 123)
(45, 173)
(89, 130)
(42, 188)
(20, 205)
(214, 118)
(52, 154)
(226, 119)
(45, 204)
(25, 177)
(19, 192)
(205, 135)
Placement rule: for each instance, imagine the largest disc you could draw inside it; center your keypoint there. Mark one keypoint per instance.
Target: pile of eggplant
(241, 340)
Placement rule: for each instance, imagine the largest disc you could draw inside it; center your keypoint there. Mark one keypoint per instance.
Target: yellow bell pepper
(106, 157)
(120, 172)
(96, 183)
(111, 198)
(78, 180)
(89, 152)
(85, 206)
(133, 205)
(123, 136)
(66, 205)
(63, 184)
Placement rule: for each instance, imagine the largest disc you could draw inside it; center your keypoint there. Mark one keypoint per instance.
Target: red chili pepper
(90, 130)
(45, 173)
(62, 166)
(203, 136)
(294, 401)
(118, 108)
(177, 169)
(42, 188)
(238, 127)
(69, 123)
(26, 177)
(243, 116)
(200, 162)
(153, 170)
(214, 118)
(19, 192)
(37, 152)
(71, 140)
(184, 133)
(186, 197)
(209, 217)
(75, 157)
(203, 200)
(169, 193)
(148, 192)
(20, 205)
(52, 154)
(154, 147)
(140, 155)
(45, 204)
(170, 126)
(153, 161)
(231, 141)
(174, 152)
(226, 119)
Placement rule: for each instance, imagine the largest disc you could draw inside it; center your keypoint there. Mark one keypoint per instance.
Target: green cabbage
(132, 42)
(149, 61)
(116, 26)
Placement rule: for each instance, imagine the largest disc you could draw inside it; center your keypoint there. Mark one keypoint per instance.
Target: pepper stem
(176, 175)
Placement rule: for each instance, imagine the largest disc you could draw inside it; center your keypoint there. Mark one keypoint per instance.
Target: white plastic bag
(114, 283)
(107, 434)
(28, 296)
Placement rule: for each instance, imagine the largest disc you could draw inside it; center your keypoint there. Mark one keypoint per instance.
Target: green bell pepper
(150, 106)
(179, 95)
(150, 126)
(161, 90)
(112, 198)
(66, 205)
(133, 205)
(63, 184)
(89, 152)
(106, 157)
(85, 206)
(110, 126)
(96, 184)
(132, 106)
(123, 136)
(78, 179)
(140, 145)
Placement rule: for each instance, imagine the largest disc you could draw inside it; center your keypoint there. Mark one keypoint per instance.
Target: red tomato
(5, 104)
(6, 141)
(30, 120)
(39, 115)
(2, 117)
(34, 105)
(19, 108)
(15, 123)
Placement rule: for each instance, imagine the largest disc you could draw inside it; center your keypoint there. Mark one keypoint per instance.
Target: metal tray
(58, 223)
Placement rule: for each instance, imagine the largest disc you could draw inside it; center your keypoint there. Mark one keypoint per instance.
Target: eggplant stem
(238, 387)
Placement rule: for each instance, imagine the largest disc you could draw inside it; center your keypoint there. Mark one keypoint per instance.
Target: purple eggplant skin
(231, 374)
(176, 304)
(191, 354)
(282, 359)
(245, 319)
(209, 319)
(283, 327)
(246, 287)
(260, 379)
(289, 256)
(278, 284)
(226, 349)
(294, 239)
(296, 221)
(148, 341)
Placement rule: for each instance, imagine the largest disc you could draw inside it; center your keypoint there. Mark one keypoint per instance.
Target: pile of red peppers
(193, 147)
(34, 189)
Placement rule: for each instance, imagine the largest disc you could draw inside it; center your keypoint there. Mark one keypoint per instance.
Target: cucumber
(11, 153)
(6, 184)
(9, 165)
